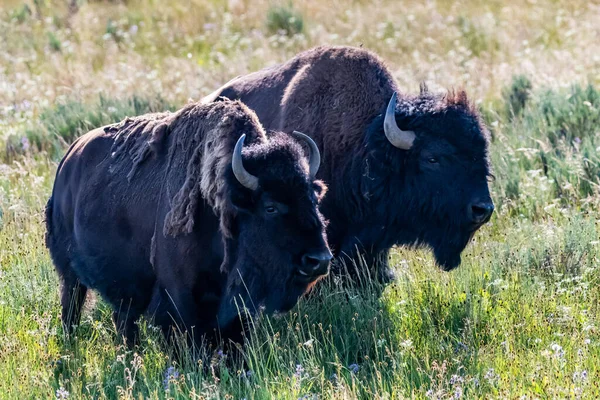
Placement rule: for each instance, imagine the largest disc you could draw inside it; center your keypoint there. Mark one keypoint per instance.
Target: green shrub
(54, 42)
(61, 124)
(516, 95)
(548, 149)
(572, 116)
(20, 14)
(284, 19)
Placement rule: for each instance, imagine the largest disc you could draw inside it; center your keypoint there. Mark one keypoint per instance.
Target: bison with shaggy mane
(401, 169)
(172, 215)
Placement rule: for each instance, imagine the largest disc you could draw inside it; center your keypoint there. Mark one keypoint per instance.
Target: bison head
(278, 247)
(434, 150)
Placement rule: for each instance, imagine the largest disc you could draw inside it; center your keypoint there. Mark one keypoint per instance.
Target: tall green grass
(546, 150)
(519, 317)
(58, 125)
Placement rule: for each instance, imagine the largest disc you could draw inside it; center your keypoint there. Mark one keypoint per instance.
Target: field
(520, 318)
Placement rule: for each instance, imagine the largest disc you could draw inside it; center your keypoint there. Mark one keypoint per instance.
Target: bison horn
(399, 138)
(314, 156)
(244, 177)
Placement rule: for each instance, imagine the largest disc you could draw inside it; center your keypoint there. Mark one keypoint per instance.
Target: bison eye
(271, 210)
(432, 160)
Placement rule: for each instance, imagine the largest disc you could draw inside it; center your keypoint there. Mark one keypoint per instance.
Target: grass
(284, 19)
(519, 318)
(60, 124)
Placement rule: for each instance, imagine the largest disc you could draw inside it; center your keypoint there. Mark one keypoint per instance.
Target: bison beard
(151, 214)
(416, 178)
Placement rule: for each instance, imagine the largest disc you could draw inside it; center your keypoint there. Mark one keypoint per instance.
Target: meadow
(520, 318)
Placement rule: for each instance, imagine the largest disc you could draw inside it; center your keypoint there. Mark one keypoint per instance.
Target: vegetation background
(519, 319)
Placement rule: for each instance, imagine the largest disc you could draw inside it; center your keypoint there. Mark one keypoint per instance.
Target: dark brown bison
(166, 214)
(406, 170)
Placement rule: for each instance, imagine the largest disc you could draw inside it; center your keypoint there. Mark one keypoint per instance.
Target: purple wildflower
(299, 371)
(62, 393)
(458, 392)
(25, 143)
(171, 374)
(454, 379)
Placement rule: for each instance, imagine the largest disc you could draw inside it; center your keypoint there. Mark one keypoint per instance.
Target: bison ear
(320, 189)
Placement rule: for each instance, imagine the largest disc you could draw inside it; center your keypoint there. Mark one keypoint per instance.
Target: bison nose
(315, 264)
(481, 212)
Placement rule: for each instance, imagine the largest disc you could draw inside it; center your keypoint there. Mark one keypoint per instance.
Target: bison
(401, 169)
(171, 215)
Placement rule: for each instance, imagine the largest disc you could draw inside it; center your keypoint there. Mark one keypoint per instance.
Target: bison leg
(72, 297)
(365, 266)
(125, 325)
(175, 311)
(124, 319)
(380, 267)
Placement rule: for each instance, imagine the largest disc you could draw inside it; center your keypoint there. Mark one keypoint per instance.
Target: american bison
(170, 214)
(401, 169)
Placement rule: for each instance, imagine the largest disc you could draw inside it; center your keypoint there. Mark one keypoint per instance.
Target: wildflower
(137, 362)
(299, 371)
(133, 29)
(558, 351)
(248, 374)
(429, 393)
(353, 368)
(25, 143)
(25, 105)
(62, 393)
(454, 379)
(458, 393)
(171, 374)
(461, 346)
(490, 375)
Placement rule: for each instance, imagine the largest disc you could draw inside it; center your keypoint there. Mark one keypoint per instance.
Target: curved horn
(314, 156)
(244, 177)
(399, 138)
